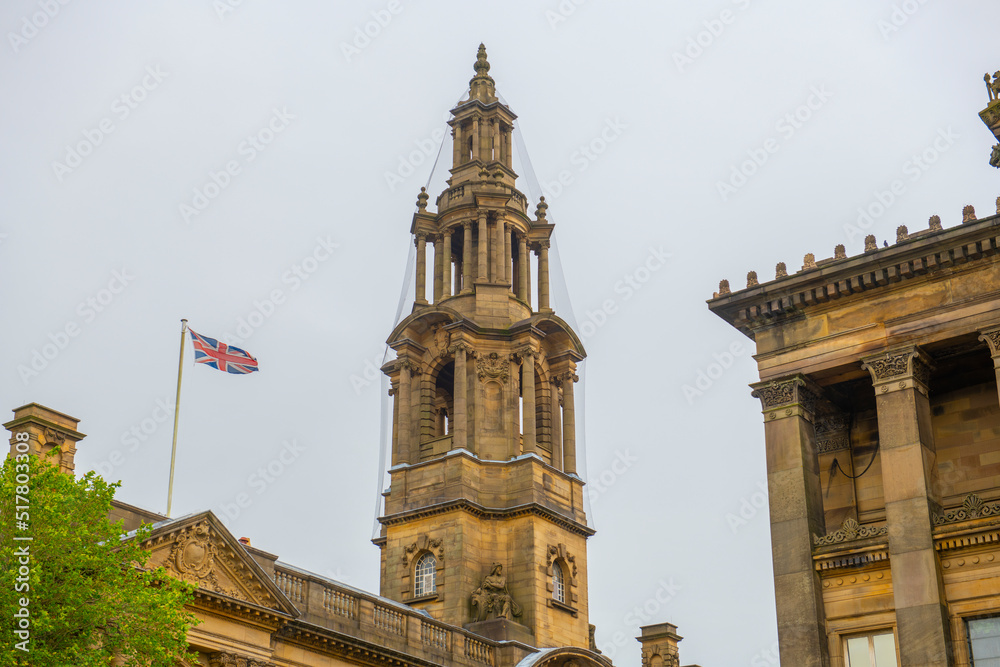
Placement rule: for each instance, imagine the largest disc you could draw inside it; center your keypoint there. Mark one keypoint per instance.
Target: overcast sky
(196, 159)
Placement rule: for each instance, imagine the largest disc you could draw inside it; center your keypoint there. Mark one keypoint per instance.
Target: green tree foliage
(90, 601)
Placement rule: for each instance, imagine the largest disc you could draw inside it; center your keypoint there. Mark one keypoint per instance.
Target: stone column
(484, 244)
(528, 398)
(527, 277)
(543, 277)
(495, 138)
(403, 414)
(456, 146)
(394, 442)
(416, 411)
(569, 422)
(461, 431)
(557, 445)
(906, 441)
(467, 257)
(507, 261)
(446, 264)
(796, 509)
(421, 295)
(522, 268)
(498, 251)
(992, 339)
(506, 147)
(438, 273)
(475, 139)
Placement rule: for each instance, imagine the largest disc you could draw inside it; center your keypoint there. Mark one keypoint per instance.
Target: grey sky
(666, 119)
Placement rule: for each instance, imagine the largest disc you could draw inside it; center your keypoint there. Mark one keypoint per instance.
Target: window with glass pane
(875, 650)
(558, 583)
(425, 576)
(984, 641)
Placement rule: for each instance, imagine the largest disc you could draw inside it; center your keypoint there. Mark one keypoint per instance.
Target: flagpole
(177, 414)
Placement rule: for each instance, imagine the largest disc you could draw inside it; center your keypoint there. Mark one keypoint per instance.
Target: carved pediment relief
(199, 550)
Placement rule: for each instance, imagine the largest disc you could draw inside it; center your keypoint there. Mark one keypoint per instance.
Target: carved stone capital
(895, 370)
(992, 338)
(850, 531)
(793, 396)
(460, 346)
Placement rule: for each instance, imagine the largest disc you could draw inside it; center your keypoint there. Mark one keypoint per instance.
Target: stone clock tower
(484, 523)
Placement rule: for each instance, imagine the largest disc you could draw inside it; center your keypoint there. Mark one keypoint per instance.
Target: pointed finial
(482, 86)
(935, 222)
(780, 270)
(422, 199)
(540, 209)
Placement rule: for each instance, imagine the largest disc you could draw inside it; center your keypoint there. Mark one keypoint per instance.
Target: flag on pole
(221, 356)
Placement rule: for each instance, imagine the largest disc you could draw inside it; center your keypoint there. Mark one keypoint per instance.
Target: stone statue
(995, 157)
(993, 89)
(492, 599)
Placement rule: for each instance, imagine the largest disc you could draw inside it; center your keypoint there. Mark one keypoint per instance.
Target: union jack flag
(222, 357)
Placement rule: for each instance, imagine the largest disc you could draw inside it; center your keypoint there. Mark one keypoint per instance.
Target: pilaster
(796, 511)
(992, 339)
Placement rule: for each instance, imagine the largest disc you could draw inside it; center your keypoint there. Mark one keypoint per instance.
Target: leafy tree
(91, 601)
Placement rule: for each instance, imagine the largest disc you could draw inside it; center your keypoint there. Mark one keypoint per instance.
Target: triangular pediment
(199, 549)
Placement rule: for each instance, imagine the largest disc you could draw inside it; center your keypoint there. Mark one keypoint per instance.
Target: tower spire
(482, 87)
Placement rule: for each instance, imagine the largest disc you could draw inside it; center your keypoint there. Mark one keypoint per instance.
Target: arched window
(558, 583)
(425, 576)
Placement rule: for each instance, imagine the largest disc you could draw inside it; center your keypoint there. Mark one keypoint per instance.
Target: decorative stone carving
(422, 199)
(972, 507)
(839, 251)
(901, 369)
(193, 557)
(968, 213)
(780, 270)
(785, 393)
(902, 234)
(222, 659)
(831, 432)
(557, 551)
(492, 599)
(870, 243)
(540, 209)
(995, 159)
(424, 544)
(992, 339)
(935, 223)
(670, 658)
(850, 531)
(592, 631)
(752, 279)
(992, 88)
(492, 367)
(724, 288)
(441, 339)
(54, 437)
(809, 261)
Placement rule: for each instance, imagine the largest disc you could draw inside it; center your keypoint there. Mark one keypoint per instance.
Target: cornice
(912, 256)
(479, 511)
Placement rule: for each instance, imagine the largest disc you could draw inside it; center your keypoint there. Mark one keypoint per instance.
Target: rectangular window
(984, 641)
(874, 650)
